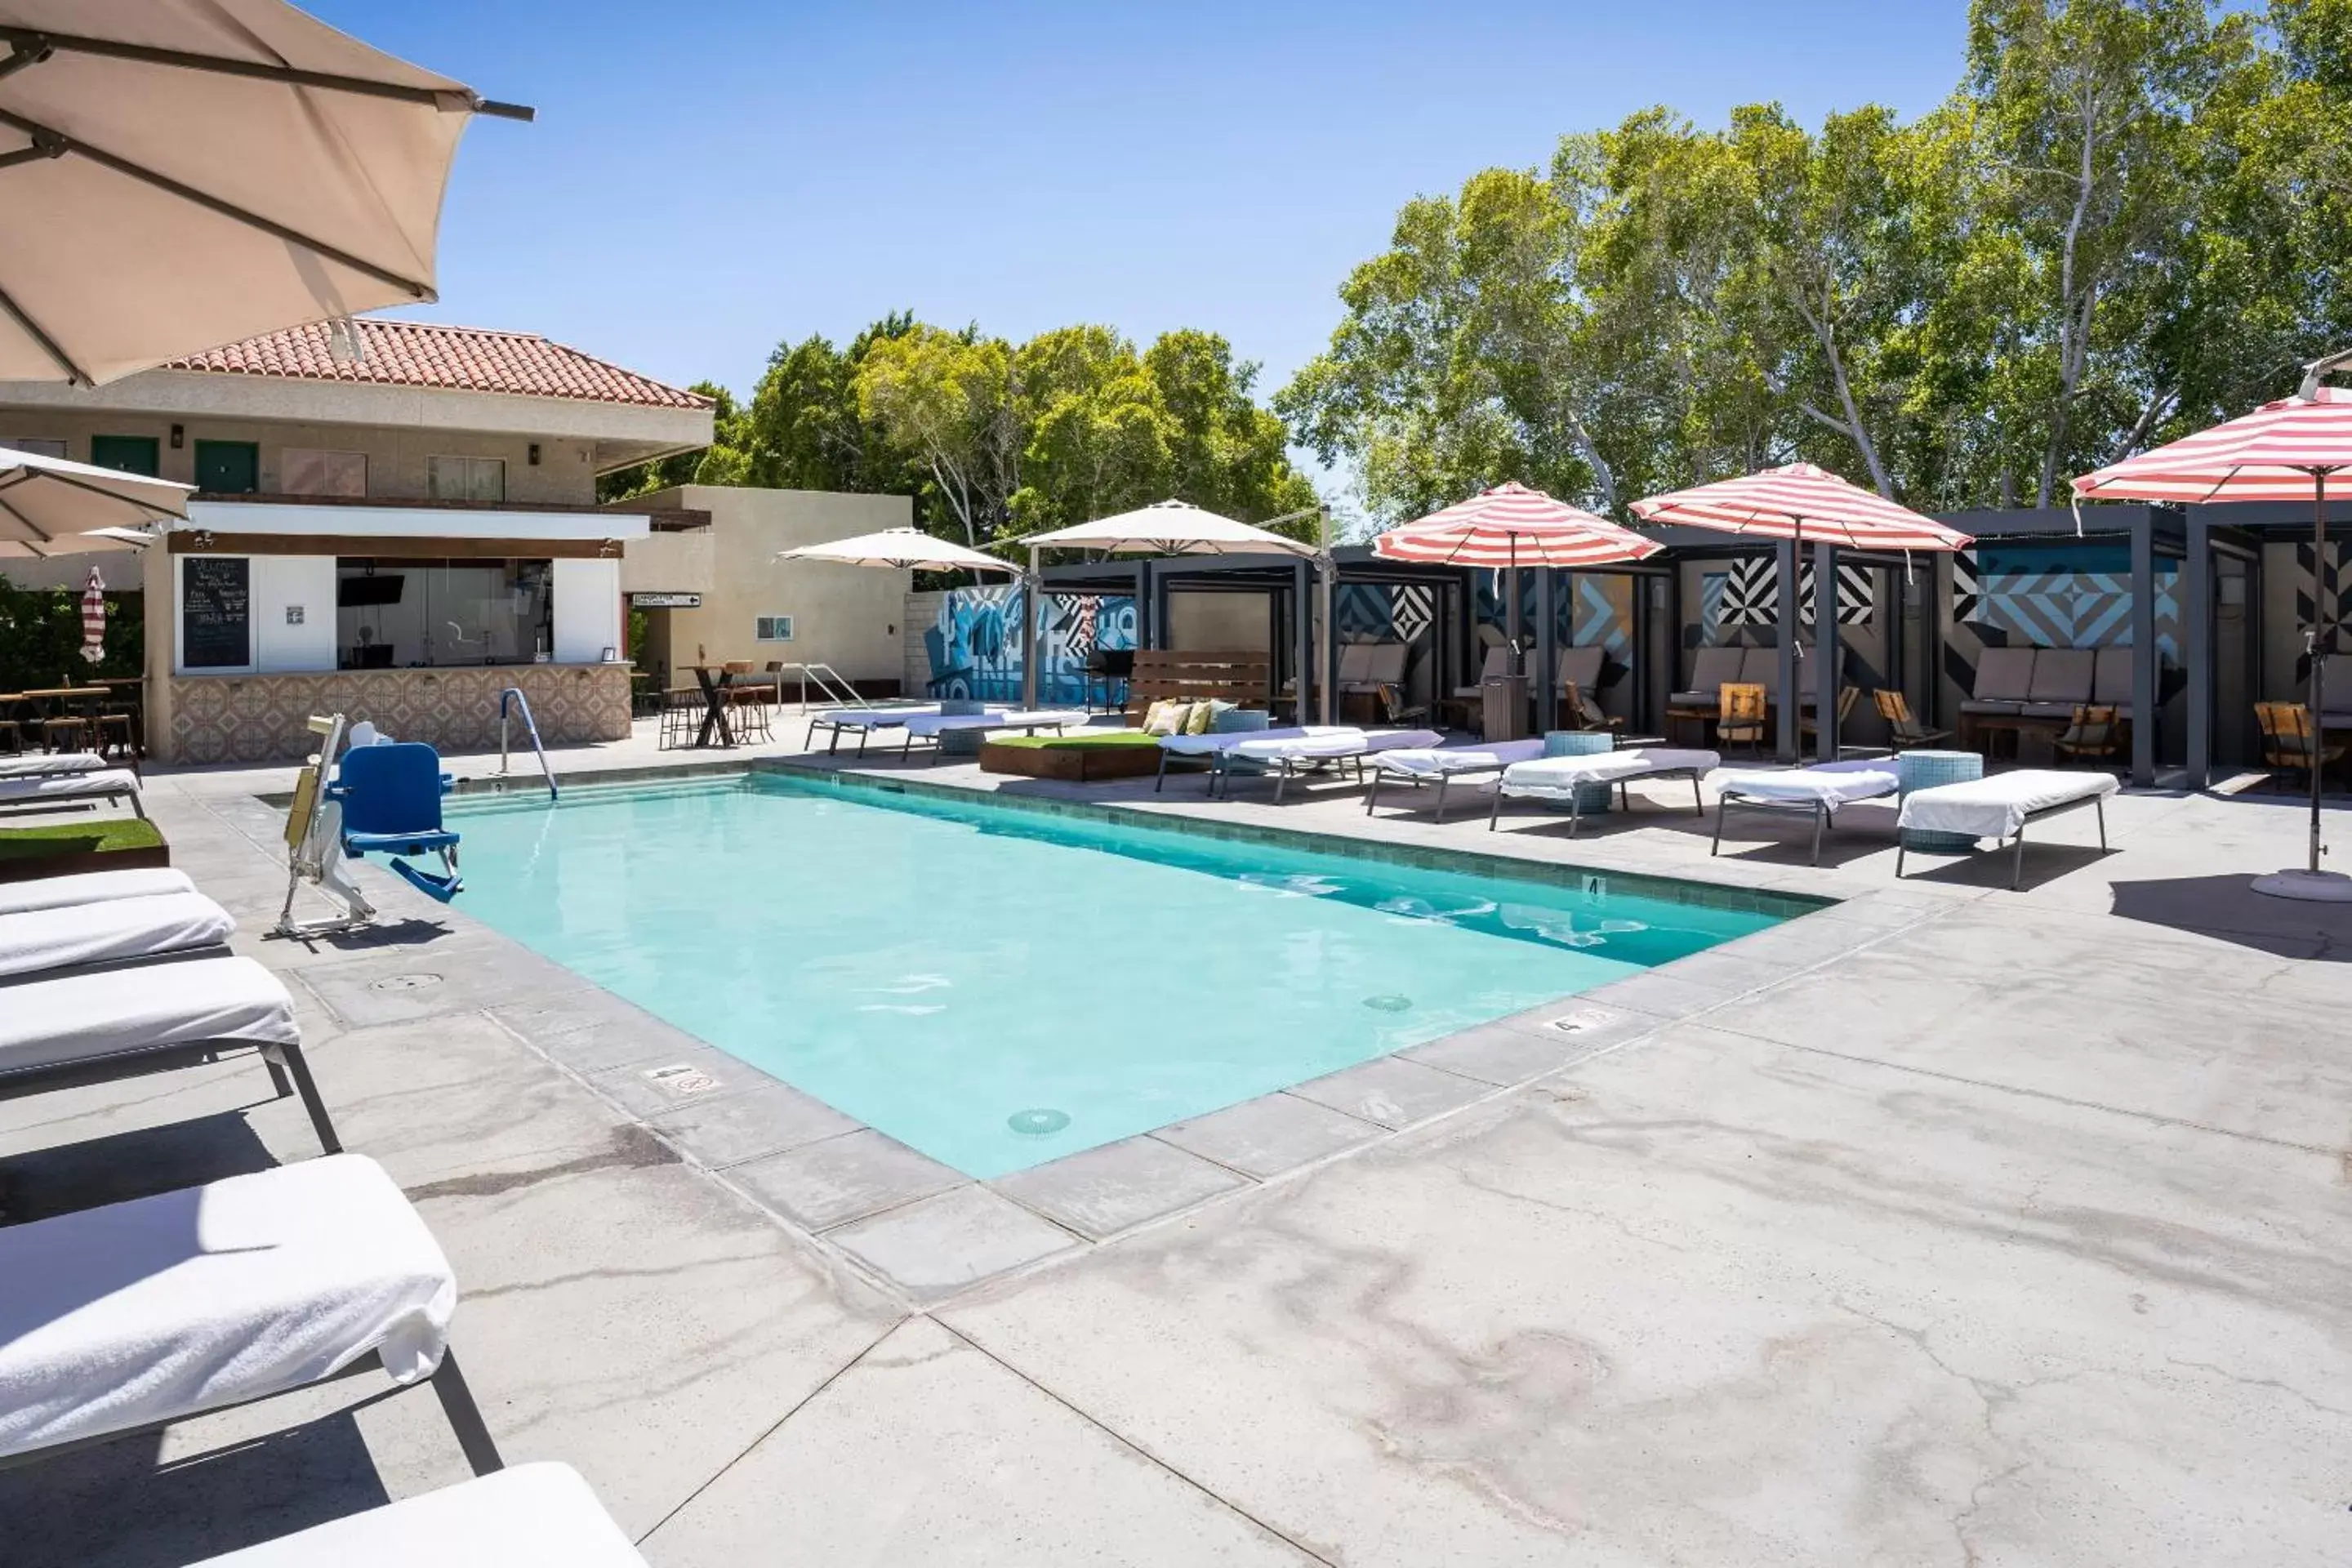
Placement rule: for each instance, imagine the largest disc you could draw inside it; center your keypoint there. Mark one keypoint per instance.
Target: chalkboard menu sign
(216, 612)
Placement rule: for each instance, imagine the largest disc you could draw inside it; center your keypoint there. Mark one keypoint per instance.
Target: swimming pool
(998, 986)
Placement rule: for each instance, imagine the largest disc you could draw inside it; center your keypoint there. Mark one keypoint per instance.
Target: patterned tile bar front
(261, 718)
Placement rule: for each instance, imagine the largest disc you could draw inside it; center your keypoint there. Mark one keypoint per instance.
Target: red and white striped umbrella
(2279, 452)
(1804, 502)
(1512, 526)
(93, 618)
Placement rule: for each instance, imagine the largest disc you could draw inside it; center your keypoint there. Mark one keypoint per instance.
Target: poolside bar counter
(259, 615)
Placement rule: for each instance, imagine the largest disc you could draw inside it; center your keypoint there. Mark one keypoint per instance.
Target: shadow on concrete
(123, 1505)
(2228, 909)
(84, 1174)
(383, 936)
(2044, 863)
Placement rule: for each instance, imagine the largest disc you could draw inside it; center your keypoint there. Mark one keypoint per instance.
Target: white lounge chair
(1442, 764)
(43, 764)
(1815, 791)
(930, 727)
(1210, 746)
(1286, 756)
(112, 930)
(91, 888)
(59, 1031)
(863, 722)
(1564, 779)
(2001, 805)
(533, 1516)
(46, 792)
(128, 1318)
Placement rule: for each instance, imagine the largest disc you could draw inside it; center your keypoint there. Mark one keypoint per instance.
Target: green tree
(946, 399)
(726, 461)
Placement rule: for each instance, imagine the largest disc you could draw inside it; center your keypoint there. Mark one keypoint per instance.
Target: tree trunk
(2074, 331)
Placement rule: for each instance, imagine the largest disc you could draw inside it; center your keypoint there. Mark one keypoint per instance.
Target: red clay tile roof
(425, 354)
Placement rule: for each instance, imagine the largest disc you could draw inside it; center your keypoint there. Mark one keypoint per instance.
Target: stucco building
(395, 519)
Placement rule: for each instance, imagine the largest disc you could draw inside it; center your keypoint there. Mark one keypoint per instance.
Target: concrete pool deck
(2004, 1227)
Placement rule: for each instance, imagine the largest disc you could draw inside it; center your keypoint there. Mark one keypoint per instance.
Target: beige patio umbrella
(51, 507)
(1164, 528)
(181, 173)
(906, 548)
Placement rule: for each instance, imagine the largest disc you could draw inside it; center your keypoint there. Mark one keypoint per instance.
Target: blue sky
(706, 178)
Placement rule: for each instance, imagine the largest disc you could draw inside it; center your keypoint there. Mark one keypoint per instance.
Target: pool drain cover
(1388, 1003)
(405, 982)
(1037, 1121)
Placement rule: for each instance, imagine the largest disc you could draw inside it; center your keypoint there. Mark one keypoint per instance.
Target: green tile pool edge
(1475, 862)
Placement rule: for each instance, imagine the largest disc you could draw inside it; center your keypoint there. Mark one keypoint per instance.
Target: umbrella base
(2307, 887)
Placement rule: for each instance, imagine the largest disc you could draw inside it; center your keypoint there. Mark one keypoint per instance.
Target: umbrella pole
(1325, 569)
(1033, 629)
(2311, 884)
(2322, 640)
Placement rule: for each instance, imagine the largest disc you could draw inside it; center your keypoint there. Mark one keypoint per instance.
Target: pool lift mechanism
(383, 797)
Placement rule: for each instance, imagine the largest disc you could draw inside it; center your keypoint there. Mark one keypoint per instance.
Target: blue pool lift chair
(391, 796)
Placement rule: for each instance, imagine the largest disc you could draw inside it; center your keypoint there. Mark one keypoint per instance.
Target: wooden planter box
(1071, 764)
(73, 862)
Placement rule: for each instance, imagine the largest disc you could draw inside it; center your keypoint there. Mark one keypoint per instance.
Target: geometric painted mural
(1752, 593)
(2061, 595)
(1588, 607)
(974, 646)
(2335, 574)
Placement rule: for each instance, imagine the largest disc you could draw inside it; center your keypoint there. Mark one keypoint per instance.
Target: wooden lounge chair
(2094, 734)
(1906, 731)
(1808, 724)
(2290, 740)
(1579, 712)
(1741, 716)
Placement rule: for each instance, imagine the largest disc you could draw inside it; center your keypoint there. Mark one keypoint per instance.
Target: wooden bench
(1164, 675)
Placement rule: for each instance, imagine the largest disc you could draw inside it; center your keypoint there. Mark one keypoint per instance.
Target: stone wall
(262, 717)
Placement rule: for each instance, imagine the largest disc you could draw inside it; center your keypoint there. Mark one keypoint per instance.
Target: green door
(129, 454)
(228, 468)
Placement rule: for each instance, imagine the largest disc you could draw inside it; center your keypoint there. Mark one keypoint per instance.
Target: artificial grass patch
(1078, 741)
(79, 838)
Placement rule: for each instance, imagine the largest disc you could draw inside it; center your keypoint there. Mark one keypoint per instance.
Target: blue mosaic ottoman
(1924, 769)
(1590, 798)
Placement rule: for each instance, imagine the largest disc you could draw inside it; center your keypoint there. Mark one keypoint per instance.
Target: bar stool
(12, 727)
(70, 732)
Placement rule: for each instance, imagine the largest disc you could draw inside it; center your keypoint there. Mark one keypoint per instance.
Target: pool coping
(927, 1233)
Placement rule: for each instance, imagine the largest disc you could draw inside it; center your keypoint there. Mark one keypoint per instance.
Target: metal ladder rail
(830, 682)
(530, 728)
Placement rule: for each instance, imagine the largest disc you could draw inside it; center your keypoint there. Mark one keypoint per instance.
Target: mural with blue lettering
(974, 645)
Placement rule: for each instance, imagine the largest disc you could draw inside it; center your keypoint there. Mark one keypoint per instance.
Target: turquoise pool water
(1000, 987)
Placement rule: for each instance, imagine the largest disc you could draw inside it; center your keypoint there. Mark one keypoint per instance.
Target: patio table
(714, 706)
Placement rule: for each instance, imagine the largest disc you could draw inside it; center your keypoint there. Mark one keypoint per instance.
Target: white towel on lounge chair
(1557, 778)
(1225, 740)
(1335, 744)
(527, 1516)
(927, 724)
(85, 1018)
(107, 784)
(117, 1318)
(1827, 784)
(91, 888)
(47, 765)
(111, 931)
(870, 718)
(1997, 807)
(1437, 762)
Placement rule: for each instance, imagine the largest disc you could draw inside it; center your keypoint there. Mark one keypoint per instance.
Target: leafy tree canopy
(2127, 222)
(995, 439)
